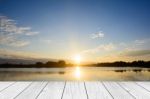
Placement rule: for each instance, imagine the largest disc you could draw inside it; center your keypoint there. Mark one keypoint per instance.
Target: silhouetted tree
(50, 63)
(39, 63)
(61, 63)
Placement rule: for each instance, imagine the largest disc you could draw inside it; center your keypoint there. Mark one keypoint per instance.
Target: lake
(76, 74)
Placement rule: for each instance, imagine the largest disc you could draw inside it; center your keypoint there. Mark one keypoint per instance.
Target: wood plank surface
(116, 91)
(12, 91)
(137, 91)
(54, 90)
(74, 90)
(4, 85)
(32, 91)
(145, 85)
(96, 90)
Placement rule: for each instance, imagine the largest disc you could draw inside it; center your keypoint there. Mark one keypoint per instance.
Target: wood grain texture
(145, 85)
(116, 91)
(96, 90)
(4, 85)
(74, 90)
(137, 91)
(54, 90)
(32, 91)
(12, 91)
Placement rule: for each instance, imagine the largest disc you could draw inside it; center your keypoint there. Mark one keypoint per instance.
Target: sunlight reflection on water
(77, 72)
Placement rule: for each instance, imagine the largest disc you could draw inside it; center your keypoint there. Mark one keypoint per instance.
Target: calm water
(75, 73)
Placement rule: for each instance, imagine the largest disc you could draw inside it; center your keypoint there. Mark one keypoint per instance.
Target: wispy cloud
(135, 53)
(9, 40)
(10, 33)
(17, 54)
(139, 42)
(101, 48)
(125, 55)
(97, 35)
(134, 50)
(47, 41)
(31, 33)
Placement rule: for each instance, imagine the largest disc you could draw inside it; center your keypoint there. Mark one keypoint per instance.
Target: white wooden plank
(116, 91)
(53, 90)
(145, 85)
(137, 91)
(74, 90)
(32, 91)
(14, 90)
(96, 90)
(4, 85)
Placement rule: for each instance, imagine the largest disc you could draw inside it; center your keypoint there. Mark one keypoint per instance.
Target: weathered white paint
(96, 90)
(116, 91)
(14, 90)
(53, 90)
(137, 91)
(32, 91)
(74, 90)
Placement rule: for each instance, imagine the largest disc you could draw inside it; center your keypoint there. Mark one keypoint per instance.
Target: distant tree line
(49, 64)
(139, 63)
(62, 63)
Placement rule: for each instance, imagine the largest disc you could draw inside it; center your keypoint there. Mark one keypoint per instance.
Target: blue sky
(99, 30)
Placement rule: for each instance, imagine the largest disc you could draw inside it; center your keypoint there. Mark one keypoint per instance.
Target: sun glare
(77, 72)
(77, 58)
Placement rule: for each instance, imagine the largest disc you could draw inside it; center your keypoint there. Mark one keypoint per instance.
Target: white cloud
(97, 35)
(46, 41)
(10, 33)
(139, 42)
(135, 52)
(31, 33)
(123, 44)
(101, 48)
(107, 47)
(19, 43)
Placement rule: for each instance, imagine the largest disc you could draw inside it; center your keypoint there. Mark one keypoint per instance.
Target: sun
(77, 58)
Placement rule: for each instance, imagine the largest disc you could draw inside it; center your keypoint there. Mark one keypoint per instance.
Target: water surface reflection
(75, 73)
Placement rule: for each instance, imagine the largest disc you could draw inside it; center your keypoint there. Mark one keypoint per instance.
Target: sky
(97, 30)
